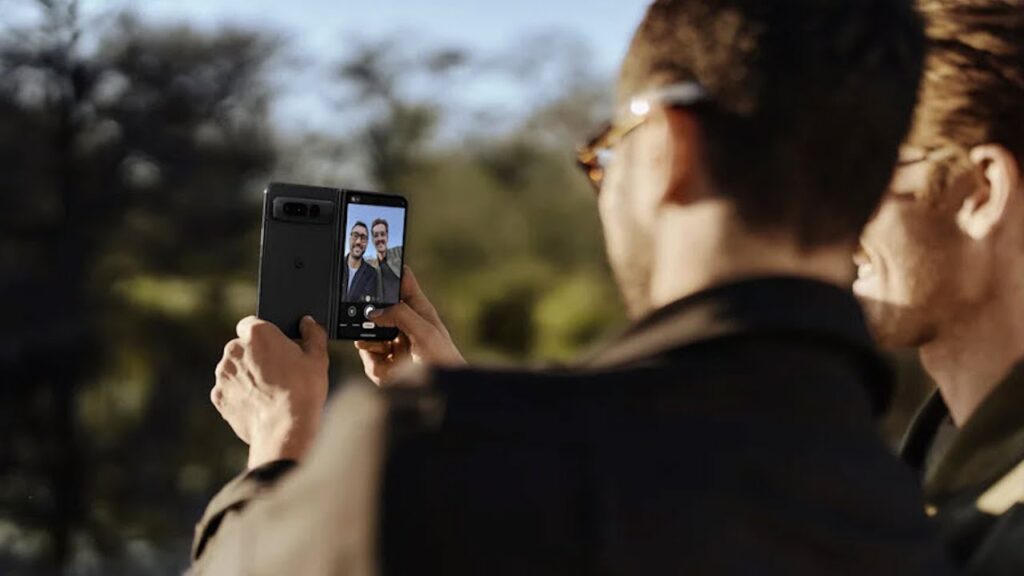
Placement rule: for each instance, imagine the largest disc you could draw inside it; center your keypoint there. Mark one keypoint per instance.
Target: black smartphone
(372, 251)
(298, 263)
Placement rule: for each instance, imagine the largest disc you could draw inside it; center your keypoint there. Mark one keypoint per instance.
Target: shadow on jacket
(729, 433)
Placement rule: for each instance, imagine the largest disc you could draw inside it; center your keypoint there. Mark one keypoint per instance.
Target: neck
(354, 262)
(975, 350)
(704, 245)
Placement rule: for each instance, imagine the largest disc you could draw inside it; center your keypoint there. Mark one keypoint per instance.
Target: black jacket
(364, 284)
(728, 433)
(974, 480)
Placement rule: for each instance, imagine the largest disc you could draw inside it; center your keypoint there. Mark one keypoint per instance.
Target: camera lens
(314, 211)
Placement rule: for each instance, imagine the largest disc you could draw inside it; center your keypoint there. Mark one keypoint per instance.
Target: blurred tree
(129, 163)
(499, 220)
(131, 160)
(399, 126)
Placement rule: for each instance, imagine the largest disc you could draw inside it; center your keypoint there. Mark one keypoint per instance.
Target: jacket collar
(924, 426)
(776, 307)
(989, 444)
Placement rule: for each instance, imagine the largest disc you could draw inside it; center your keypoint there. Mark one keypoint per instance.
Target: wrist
(285, 439)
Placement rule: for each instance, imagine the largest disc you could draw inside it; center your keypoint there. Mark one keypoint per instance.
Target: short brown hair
(973, 88)
(809, 101)
(380, 221)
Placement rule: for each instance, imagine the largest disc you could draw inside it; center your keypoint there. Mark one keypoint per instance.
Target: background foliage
(132, 161)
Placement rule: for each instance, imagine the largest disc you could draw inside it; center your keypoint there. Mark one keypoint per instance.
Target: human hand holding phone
(423, 337)
(271, 389)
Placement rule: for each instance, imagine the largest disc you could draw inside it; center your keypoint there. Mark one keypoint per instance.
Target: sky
(320, 30)
(322, 24)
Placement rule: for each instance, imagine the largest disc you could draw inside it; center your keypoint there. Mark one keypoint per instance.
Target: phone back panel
(297, 255)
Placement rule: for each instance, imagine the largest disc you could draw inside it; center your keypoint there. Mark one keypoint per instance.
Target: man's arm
(271, 391)
(234, 497)
(321, 516)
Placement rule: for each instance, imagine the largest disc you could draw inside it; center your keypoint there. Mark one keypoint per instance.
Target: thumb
(314, 337)
(413, 295)
(404, 318)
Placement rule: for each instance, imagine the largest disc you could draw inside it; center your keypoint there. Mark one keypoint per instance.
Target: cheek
(616, 205)
(920, 252)
(632, 190)
(609, 206)
(653, 168)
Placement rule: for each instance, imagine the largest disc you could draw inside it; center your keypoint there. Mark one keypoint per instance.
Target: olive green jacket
(974, 484)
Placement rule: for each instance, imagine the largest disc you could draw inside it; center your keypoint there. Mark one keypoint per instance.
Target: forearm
(233, 498)
(269, 520)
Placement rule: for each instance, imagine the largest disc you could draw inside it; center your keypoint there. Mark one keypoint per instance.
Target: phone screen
(372, 256)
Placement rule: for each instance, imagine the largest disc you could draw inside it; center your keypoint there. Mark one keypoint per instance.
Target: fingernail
(374, 314)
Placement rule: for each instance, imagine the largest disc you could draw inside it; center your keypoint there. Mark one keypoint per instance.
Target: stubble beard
(895, 327)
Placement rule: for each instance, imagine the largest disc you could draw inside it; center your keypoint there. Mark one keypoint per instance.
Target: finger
(259, 336)
(217, 396)
(376, 366)
(374, 346)
(235, 387)
(414, 296)
(224, 399)
(234, 349)
(226, 368)
(410, 288)
(245, 326)
(314, 337)
(406, 319)
(400, 347)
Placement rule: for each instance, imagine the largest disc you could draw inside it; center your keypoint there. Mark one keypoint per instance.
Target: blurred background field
(135, 141)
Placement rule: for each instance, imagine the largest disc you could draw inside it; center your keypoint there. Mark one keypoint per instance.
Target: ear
(987, 204)
(685, 154)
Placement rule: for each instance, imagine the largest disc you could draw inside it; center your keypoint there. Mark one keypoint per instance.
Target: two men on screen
(371, 279)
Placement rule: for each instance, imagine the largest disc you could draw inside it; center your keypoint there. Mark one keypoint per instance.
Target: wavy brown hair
(809, 101)
(973, 88)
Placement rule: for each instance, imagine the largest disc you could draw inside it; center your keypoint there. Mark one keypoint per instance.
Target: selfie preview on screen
(372, 268)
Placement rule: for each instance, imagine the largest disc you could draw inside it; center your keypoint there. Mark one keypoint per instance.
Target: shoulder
(989, 530)
(430, 395)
